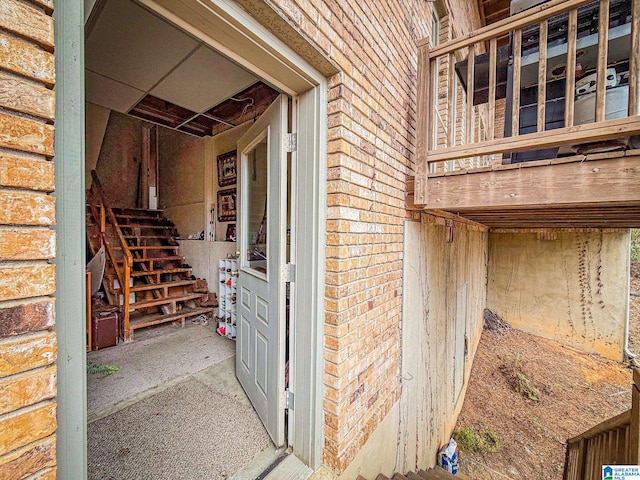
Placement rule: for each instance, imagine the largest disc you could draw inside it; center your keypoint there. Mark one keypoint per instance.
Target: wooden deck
(593, 191)
(461, 84)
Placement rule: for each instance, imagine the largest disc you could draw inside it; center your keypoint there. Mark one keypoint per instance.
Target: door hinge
(288, 399)
(289, 273)
(290, 142)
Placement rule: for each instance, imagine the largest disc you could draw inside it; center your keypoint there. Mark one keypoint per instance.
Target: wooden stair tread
(137, 225)
(138, 216)
(154, 247)
(165, 300)
(382, 477)
(135, 209)
(156, 319)
(168, 258)
(158, 259)
(166, 237)
(161, 271)
(413, 476)
(154, 286)
(436, 473)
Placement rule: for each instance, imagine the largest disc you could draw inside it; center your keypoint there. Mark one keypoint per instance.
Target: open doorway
(185, 168)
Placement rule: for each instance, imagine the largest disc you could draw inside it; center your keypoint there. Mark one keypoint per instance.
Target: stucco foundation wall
(443, 304)
(444, 301)
(574, 290)
(28, 345)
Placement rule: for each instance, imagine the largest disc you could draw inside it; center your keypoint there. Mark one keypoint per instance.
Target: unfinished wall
(204, 257)
(118, 164)
(181, 161)
(222, 143)
(96, 121)
(573, 289)
(444, 301)
(27, 241)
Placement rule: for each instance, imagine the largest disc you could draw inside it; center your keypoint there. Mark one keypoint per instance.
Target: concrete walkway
(174, 409)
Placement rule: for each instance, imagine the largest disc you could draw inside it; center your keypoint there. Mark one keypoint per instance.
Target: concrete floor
(158, 361)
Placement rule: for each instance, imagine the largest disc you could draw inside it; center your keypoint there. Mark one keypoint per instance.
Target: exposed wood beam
(594, 183)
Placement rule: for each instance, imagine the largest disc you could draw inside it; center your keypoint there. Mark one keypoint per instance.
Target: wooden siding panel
(19, 391)
(27, 317)
(32, 174)
(20, 95)
(21, 208)
(27, 426)
(26, 352)
(27, 60)
(26, 135)
(27, 244)
(27, 281)
(29, 460)
(27, 22)
(595, 182)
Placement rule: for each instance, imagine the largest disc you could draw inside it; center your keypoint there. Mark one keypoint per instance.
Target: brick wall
(27, 243)
(371, 143)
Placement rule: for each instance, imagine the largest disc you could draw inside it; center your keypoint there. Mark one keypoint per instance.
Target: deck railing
(613, 442)
(494, 58)
(104, 215)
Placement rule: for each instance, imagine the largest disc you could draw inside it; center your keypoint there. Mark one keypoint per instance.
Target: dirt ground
(576, 391)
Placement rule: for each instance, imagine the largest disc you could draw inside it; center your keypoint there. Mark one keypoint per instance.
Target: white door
(262, 190)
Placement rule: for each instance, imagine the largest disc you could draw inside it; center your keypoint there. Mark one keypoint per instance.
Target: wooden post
(569, 93)
(471, 66)
(143, 185)
(582, 459)
(102, 220)
(542, 75)
(88, 311)
(423, 125)
(493, 52)
(634, 434)
(517, 67)
(125, 300)
(567, 464)
(452, 98)
(603, 54)
(634, 60)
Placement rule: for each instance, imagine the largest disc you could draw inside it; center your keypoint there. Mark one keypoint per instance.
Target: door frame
(227, 27)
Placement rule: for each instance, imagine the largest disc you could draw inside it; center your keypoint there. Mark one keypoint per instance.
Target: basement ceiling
(135, 61)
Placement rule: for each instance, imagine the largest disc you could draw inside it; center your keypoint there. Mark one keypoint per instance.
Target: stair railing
(124, 276)
(615, 441)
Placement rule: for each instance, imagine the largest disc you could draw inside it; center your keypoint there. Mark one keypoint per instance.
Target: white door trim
(225, 26)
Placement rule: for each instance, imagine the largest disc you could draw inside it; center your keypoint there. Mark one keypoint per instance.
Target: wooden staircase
(144, 273)
(435, 473)
(616, 441)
